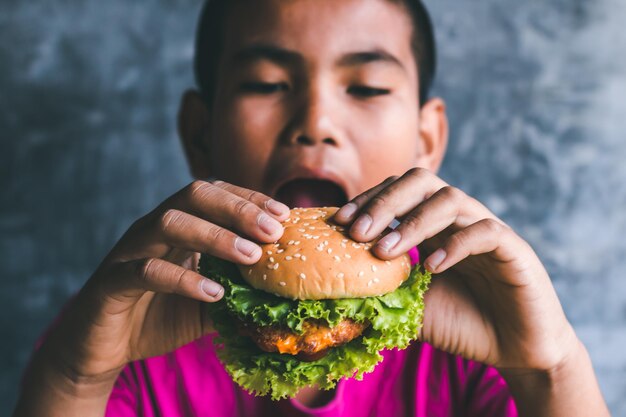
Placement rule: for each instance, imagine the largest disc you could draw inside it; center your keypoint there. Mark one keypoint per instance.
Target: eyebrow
(269, 52)
(366, 57)
(286, 57)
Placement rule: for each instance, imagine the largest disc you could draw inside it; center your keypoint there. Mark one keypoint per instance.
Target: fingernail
(363, 224)
(347, 211)
(435, 259)
(246, 247)
(276, 207)
(211, 288)
(267, 224)
(389, 241)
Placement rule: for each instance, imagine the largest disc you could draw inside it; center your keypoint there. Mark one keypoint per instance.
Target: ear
(433, 134)
(193, 130)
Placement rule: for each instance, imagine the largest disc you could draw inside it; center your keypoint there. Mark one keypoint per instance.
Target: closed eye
(366, 92)
(263, 88)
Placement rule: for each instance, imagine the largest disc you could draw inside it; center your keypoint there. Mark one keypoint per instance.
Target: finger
(481, 237)
(449, 208)
(348, 212)
(229, 211)
(181, 230)
(275, 208)
(394, 201)
(153, 274)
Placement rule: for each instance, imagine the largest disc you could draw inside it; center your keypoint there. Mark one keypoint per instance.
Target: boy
(315, 102)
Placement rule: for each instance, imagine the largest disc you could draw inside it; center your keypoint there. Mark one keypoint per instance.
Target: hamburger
(317, 307)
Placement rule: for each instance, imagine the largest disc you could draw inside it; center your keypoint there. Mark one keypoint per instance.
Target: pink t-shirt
(419, 381)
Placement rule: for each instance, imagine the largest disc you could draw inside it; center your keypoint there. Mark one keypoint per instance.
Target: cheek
(388, 143)
(245, 134)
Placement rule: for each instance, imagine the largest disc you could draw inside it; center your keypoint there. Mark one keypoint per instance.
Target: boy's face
(314, 89)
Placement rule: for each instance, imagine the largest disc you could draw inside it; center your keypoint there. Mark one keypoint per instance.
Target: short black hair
(208, 46)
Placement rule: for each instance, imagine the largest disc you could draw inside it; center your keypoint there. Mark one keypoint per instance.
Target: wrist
(60, 391)
(568, 388)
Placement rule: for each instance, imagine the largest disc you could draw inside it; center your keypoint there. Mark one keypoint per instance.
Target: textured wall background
(89, 92)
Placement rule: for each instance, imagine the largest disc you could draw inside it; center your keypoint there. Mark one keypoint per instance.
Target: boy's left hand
(492, 300)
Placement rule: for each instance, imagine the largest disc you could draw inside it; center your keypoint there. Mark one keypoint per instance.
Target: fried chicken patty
(316, 338)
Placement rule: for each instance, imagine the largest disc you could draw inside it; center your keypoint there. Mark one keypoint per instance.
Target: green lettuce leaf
(395, 320)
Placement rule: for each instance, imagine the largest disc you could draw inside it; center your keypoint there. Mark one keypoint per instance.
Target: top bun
(315, 259)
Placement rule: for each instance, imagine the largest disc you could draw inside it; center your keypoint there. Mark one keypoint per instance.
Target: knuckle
(379, 200)
(168, 219)
(391, 179)
(413, 220)
(457, 240)
(417, 172)
(252, 195)
(492, 226)
(243, 207)
(452, 193)
(198, 188)
(180, 280)
(218, 234)
(145, 269)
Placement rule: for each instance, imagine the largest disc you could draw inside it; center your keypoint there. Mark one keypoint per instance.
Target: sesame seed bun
(315, 259)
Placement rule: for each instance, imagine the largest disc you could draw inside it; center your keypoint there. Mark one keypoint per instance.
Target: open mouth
(308, 192)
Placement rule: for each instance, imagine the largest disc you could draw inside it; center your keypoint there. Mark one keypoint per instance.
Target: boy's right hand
(146, 297)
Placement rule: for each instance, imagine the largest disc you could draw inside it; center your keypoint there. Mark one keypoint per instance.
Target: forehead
(321, 29)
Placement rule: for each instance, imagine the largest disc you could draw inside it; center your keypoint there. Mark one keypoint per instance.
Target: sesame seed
(388, 262)
(275, 267)
(374, 268)
(316, 237)
(288, 258)
(290, 242)
(340, 275)
(269, 252)
(302, 276)
(347, 255)
(344, 241)
(329, 251)
(343, 245)
(303, 258)
(376, 280)
(369, 283)
(280, 251)
(272, 259)
(326, 234)
(354, 245)
(249, 271)
(337, 258)
(301, 230)
(306, 224)
(297, 255)
(270, 266)
(264, 277)
(311, 228)
(314, 218)
(282, 284)
(297, 242)
(325, 243)
(361, 273)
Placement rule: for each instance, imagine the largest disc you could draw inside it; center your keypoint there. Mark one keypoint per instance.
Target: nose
(314, 120)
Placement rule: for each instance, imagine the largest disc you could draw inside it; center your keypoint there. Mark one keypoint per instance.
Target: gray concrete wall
(89, 91)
